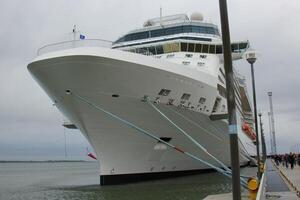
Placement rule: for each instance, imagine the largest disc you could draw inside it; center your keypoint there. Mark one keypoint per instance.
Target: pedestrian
(298, 159)
(291, 160)
(286, 160)
(277, 159)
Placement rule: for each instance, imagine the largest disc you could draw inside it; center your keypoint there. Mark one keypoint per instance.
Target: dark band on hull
(130, 178)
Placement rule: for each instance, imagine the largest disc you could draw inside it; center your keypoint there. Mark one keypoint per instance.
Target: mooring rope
(220, 170)
(190, 138)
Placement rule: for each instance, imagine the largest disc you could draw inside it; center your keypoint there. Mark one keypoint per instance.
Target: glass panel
(219, 49)
(173, 47)
(183, 46)
(205, 48)
(152, 50)
(212, 49)
(187, 29)
(234, 47)
(191, 47)
(156, 33)
(243, 46)
(198, 48)
(159, 49)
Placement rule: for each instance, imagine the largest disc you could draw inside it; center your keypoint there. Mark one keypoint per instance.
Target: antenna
(74, 32)
(272, 123)
(160, 16)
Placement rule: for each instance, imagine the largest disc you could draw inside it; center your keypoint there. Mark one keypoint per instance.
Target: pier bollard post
(234, 148)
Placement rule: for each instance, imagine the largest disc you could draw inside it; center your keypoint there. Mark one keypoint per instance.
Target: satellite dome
(196, 16)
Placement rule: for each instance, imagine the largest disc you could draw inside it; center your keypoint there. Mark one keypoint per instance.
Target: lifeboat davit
(249, 131)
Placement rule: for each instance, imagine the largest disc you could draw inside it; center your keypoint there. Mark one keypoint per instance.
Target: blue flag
(82, 37)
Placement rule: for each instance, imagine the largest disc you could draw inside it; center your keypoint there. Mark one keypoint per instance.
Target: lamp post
(262, 136)
(251, 58)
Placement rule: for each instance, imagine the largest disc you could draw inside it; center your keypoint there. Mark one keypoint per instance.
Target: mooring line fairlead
(220, 170)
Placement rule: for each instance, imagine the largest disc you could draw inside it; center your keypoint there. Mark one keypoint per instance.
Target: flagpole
(74, 32)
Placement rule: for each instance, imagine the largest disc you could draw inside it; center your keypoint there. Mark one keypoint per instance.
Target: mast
(272, 123)
(271, 140)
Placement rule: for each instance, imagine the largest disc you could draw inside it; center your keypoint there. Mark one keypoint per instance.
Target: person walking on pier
(291, 160)
(285, 158)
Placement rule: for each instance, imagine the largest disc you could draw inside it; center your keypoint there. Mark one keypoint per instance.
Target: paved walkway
(275, 183)
(278, 184)
(292, 176)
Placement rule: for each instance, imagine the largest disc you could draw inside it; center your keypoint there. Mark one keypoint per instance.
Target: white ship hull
(98, 74)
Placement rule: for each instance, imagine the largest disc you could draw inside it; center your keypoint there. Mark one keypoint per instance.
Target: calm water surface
(78, 180)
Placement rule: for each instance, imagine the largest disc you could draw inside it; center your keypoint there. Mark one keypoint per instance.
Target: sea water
(80, 180)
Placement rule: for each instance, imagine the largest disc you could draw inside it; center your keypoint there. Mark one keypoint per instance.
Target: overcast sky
(30, 127)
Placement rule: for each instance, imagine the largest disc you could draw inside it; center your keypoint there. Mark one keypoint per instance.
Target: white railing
(140, 51)
(74, 44)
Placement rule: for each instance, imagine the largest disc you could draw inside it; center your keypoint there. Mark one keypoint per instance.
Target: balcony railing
(85, 43)
(74, 44)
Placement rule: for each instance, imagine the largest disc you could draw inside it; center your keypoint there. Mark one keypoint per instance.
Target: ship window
(173, 47)
(191, 47)
(188, 55)
(243, 46)
(186, 62)
(205, 48)
(185, 96)
(219, 49)
(183, 46)
(165, 139)
(203, 56)
(187, 29)
(212, 49)
(234, 47)
(216, 105)
(164, 92)
(198, 48)
(222, 90)
(202, 100)
(157, 33)
(152, 50)
(159, 49)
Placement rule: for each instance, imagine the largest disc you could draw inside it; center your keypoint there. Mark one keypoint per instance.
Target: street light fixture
(251, 57)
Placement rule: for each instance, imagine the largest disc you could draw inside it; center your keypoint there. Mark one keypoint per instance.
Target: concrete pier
(278, 183)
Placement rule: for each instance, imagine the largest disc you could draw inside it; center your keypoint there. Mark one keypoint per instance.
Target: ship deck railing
(84, 43)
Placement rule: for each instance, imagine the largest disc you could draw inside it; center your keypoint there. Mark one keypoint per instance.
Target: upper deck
(175, 26)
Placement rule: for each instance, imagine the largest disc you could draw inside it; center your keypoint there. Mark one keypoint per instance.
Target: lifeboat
(249, 131)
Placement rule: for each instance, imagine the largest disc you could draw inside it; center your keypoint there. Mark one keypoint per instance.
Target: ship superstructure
(168, 72)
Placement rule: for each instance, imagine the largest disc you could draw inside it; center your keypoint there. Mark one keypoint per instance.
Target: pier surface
(280, 184)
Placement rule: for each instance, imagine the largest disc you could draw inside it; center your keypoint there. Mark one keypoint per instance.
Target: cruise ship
(153, 94)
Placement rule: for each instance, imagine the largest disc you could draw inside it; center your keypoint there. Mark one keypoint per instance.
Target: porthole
(164, 92)
(188, 55)
(185, 96)
(202, 100)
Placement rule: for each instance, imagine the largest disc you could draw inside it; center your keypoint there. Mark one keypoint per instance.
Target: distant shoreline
(41, 161)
